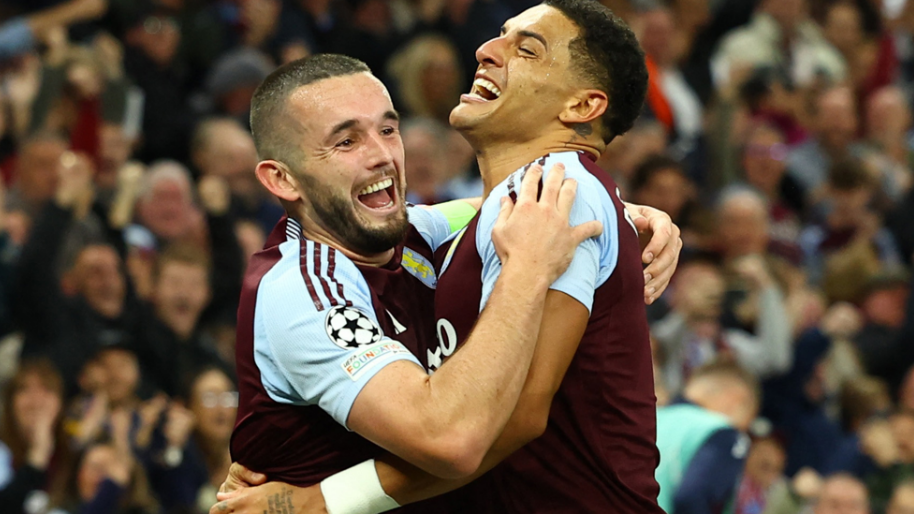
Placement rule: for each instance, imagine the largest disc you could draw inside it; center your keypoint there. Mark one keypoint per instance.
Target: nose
(491, 52)
(379, 151)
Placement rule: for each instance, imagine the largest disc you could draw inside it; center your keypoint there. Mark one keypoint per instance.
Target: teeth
(384, 184)
(482, 83)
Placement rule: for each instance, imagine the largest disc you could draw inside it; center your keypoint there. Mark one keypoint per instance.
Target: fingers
(586, 230)
(658, 274)
(530, 184)
(567, 195)
(663, 229)
(553, 184)
(245, 475)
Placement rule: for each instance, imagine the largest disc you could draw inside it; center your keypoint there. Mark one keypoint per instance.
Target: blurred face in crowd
(764, 160)
(36, 169)
(182, 291)
(94, 469)
(522, 83)
(98, 277)
(658, 29)
(765, 463)
(122, 374)
(699, 292)
(842, 495)
(837, 119)
(158, 37)
(849, 206)
(743, 226)
(424, 162)
(886, 306)
(168, 209)
(32, 398)
(230, 154)
(844, 27)
(887, 113)
(214, 403)
(440, 79)
(667, 189)
(351, 180)
(902, 500)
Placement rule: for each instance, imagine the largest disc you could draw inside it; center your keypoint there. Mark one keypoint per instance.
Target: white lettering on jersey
(447, 344)
(398, 327)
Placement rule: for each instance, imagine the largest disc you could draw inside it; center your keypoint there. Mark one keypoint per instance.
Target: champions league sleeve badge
(350, 328)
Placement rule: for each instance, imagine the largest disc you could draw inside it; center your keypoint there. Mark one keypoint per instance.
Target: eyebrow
(348, 124)
(534, 35)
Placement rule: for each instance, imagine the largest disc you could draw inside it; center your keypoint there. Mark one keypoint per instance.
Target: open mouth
(380, 195)
(485, 89)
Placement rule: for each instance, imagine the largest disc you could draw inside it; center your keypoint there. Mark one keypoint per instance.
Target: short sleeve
(431, 223)
(595, 258)
(317, 340)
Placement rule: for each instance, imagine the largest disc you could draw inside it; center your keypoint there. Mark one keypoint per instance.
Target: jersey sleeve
(435, 223)
(317, 338)
(593, 261)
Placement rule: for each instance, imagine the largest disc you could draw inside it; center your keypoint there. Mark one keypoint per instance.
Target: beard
(337, 214)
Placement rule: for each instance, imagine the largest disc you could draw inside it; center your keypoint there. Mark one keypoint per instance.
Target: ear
(278, 179)
(585, 107)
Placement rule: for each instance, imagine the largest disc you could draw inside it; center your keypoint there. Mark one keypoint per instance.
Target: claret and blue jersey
(313, 329)
(598, 453)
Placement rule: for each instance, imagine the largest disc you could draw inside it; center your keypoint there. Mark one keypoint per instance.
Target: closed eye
(528, 52)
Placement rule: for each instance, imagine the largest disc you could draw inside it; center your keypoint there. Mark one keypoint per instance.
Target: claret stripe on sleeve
(312, 272)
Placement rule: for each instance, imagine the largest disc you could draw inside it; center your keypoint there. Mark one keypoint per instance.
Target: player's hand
(536, 232)
(661, 253)
(271, 497)
(240, 477)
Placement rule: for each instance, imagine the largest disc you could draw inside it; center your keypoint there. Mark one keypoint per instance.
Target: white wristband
(356, 490)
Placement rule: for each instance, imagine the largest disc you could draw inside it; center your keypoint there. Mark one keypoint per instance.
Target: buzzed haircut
(607, 54)
(269, 103)
(724, 369)
(183, 253)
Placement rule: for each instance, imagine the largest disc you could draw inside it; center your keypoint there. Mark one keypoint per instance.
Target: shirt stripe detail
(303, 265)
(331, 267)
(293, 229)
(320, 276)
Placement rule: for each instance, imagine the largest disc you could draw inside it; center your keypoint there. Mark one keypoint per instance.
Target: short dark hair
(650, 167)
(607, 54)
(269, 101)
(849, 174)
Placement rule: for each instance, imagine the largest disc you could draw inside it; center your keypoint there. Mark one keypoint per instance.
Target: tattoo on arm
(280, 503)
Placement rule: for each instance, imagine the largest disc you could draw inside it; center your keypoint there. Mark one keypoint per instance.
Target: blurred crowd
(778, 134)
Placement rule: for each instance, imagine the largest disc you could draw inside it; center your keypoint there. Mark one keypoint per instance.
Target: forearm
(407, 483)
(474, 390)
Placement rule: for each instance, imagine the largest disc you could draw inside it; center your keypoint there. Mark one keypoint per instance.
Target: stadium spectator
(428, 77)
(223, 147)
(32, 446)
(780, 35)
(763, 472)
(702, 439)
(426, 168)
(192, 459)
(692, 335)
